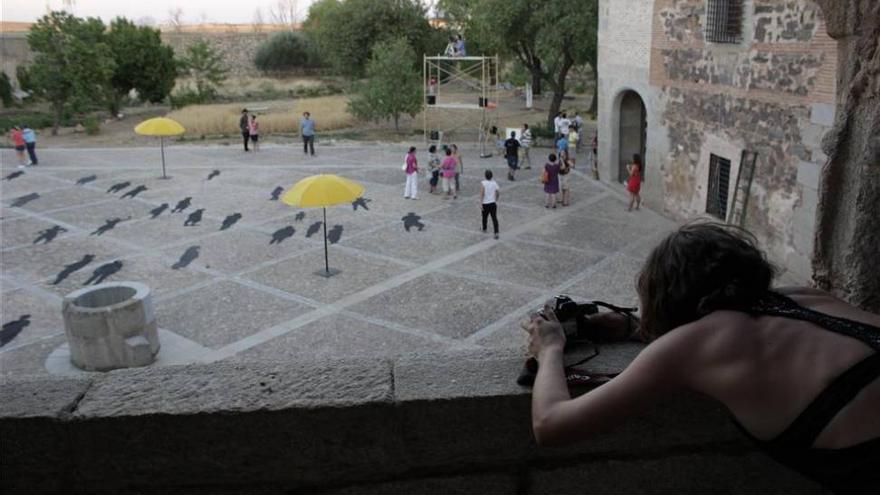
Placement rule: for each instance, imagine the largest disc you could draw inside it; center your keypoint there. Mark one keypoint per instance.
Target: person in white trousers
(412, 175)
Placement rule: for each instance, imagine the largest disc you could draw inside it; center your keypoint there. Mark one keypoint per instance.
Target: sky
(194, 11)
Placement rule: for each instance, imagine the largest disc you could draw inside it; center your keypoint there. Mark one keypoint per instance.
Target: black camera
(574, 318)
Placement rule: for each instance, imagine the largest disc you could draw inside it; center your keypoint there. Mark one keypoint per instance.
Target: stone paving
(237, 281)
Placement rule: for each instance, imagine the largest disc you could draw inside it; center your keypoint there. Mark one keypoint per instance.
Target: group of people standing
(24, 139)
(250, 131)
(445, 172)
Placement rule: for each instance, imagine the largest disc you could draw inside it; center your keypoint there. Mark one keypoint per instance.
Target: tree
(73, 64)
(205, 66)
(393, 85)
(175, 19)
(5, 90)
(258, 21)
(285, 51)
(548, 38)
(142, 63)
(284, 12)
(345, 31)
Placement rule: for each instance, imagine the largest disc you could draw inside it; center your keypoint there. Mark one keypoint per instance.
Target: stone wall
(237, 48)
(430, 425)
(774, 93)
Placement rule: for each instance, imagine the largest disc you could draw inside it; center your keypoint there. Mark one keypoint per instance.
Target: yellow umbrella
(160, 126)
(321, 191)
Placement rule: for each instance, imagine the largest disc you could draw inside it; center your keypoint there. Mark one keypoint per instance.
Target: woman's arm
(482, 195)
(557, 419)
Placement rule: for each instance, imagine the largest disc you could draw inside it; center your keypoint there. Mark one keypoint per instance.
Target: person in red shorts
(634, 184)
(17, 138)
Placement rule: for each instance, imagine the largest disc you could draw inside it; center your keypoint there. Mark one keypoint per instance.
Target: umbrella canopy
(321, 191)
(160, 126)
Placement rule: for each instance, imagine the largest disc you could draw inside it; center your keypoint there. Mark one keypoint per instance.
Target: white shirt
(563, 126)
(556, 122)
(490, 191)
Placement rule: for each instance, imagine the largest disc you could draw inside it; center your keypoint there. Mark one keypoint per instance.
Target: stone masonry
(773, 92)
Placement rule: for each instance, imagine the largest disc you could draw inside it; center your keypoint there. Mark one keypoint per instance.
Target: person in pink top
(18, 141)
(449, 165)
(412, 175)
(254, 131)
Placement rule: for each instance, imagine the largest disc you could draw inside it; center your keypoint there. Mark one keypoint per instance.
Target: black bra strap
(774, 304)
(804, 430)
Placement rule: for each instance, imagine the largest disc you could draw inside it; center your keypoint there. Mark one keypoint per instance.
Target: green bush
(189, 96)
(5, 90)
(92, 125)
(286, 51)
(24, 78)
(36, 120)
(540, 131)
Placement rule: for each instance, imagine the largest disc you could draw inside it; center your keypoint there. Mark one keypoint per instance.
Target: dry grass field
(275, 117)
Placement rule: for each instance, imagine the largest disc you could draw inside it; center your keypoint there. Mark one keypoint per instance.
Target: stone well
(111, 325)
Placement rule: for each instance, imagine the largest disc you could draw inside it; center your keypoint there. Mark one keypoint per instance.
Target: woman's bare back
(768, 369)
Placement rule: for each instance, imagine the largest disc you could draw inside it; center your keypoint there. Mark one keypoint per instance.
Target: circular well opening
(106, 296)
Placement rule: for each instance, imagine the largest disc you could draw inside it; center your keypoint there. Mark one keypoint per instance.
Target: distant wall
(237, 49)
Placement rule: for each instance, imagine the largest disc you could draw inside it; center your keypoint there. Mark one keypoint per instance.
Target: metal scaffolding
(460, 93)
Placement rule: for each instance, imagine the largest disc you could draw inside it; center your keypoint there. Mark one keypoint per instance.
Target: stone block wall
(237, 49)
(760, 94)
(440, 424)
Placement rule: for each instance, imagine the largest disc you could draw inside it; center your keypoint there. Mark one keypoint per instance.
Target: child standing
(18, 142)
(254, 130)
(434, 166)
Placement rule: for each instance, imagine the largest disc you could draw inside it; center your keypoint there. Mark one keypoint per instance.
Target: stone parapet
(432, 424)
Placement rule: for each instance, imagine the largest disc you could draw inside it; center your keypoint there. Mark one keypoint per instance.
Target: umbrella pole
(326, 260)
(162, 147)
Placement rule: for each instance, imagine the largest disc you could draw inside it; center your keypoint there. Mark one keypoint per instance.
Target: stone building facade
(691, 84)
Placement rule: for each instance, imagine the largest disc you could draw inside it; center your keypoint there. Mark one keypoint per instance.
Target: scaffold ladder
(743, 189)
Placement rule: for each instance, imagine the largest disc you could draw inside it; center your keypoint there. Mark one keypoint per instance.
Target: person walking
(511, 152)
(564, 124)
(595, 151)
(448, 179)
(459, 167)
(254, 131)
(550, 178)
(525, 142)
(18, 142)
(634, 183)
(411, 191)
(30, 142)
(489, 192)
(434, 166)
(244, 126)
(307, 131)
(562, 148)
(573, 143)
(557, 132)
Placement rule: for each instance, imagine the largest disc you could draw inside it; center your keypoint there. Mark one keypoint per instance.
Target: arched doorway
(632, 133)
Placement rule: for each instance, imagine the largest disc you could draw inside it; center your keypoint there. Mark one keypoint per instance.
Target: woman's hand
(545, 333)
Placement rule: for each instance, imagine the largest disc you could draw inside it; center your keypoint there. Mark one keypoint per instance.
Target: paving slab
(57, 198)
(297, 274)
(166, 229)
(467, 213)
(92, 216)
(164, 276)
(434, 241)
(236, 250)
(548, 266)
(23, 231)
(36, 315)
(26, 183)
(340, 335)
(29, 359)
(41, 261)
(586, 231)
(444, 304)
(613, 282)
(225, 312)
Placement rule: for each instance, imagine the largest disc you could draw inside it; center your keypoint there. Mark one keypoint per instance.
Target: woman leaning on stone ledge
(796, 367)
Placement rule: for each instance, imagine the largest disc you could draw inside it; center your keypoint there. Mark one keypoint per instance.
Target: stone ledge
(324, 425)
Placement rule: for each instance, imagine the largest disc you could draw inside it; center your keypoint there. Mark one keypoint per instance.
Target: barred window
(724, 21)
(719, 183)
